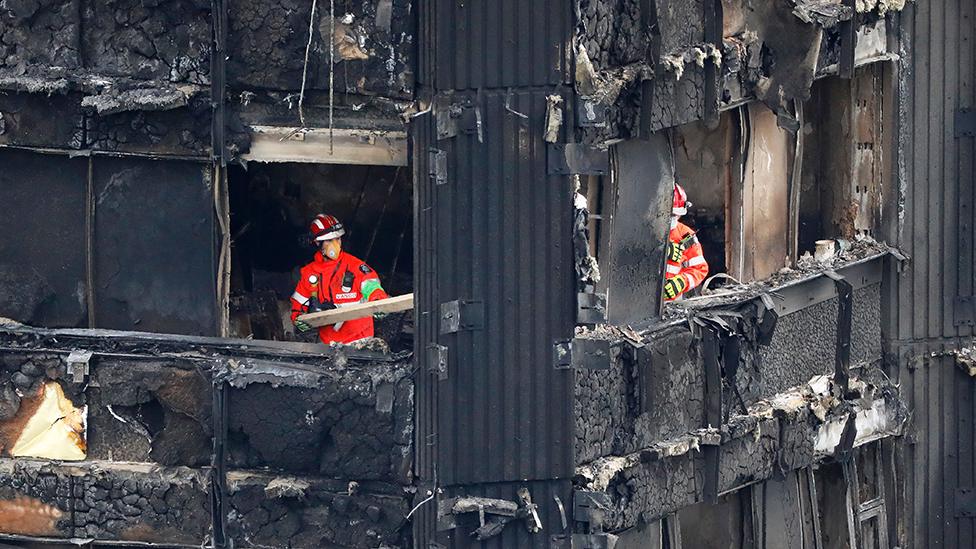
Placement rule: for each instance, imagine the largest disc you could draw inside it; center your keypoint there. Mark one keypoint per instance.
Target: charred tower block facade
(511, 163)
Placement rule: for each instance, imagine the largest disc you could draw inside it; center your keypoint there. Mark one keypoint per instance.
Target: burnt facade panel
(154, 263)
(374, 45)
(40, 287)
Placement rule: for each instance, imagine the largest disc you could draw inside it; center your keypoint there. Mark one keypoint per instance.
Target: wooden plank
(359, 310)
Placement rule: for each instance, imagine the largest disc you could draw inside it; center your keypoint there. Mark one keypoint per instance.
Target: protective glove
(302, 327)
(674, 252)
(674, 287)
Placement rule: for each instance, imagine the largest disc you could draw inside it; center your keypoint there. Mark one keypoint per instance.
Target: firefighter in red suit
(335, 279)
(686, 265)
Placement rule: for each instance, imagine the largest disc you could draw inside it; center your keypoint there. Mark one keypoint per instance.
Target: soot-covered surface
(150, 411)
(650, 393)
(374, 45)
(775, 436)
(105, 500)
(337, 422)
(307, 513)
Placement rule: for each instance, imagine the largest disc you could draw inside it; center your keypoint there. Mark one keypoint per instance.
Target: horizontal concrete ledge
(14, 336)
(325, 146)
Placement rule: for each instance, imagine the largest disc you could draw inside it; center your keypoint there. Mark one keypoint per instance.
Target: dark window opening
(706, 165)
(272, 206)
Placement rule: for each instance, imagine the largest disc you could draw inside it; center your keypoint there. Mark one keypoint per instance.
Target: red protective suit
(345, 281)
(693, 266)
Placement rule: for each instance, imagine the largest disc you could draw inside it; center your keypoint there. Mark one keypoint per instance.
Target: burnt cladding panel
(644, 192)
(42, 248)
(267, 41)
(503, 237)
(154, 246)
(499, 43)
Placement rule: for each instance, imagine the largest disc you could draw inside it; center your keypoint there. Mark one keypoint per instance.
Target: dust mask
(331, 248)
(674, 221)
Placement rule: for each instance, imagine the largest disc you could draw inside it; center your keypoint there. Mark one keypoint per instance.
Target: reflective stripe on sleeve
(697, 260)
(302, 300)
(673, 269)
(690, 280)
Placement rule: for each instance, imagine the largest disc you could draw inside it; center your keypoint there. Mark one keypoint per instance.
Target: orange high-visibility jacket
(693, 266)
(345, 281)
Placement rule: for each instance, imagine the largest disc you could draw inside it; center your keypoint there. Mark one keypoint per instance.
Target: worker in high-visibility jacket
(686, 265)
(334, 279)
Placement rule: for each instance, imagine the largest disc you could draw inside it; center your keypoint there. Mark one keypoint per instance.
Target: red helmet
(681, 203)
(326, 227)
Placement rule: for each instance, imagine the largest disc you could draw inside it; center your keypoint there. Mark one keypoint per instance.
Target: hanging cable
(331, 75)
(308, 48)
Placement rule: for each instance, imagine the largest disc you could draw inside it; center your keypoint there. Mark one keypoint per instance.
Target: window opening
(272, 206)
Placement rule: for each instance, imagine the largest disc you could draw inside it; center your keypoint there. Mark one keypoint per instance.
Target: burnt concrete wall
(625, 45)
(374, 46)
(106, 501)
(338, 423)
(304, 512)
(648, 394)
(318, 444)
(150, 411)
(139, 39)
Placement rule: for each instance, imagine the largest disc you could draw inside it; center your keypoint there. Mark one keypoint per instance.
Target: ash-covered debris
(341, 422)
(587, 268)
(782, 433)
(861, 249)
(106, 501)
(966, 360)
(882, 7)
(142, 99)
(825, 13)
(304, 512)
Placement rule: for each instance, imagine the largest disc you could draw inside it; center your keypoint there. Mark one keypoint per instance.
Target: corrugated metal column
(496, 283)
(933, 222)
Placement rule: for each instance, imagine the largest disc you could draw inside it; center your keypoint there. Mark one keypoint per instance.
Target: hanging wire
(308, 48)
(331, 75)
